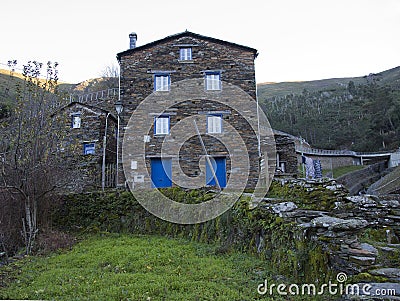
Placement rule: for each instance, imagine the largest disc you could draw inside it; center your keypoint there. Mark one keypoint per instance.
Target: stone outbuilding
(286, 157)
(88, 145)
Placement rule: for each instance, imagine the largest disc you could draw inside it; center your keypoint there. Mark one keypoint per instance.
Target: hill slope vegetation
(361, 114)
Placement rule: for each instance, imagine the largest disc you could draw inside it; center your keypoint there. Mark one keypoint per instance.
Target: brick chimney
(132, 40)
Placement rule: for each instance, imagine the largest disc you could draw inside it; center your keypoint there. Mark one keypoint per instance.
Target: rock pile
(360, 233)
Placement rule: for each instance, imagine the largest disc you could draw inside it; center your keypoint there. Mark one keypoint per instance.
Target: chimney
(132, 40)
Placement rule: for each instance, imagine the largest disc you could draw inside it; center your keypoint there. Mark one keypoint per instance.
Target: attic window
(185, 53)
(76, 120)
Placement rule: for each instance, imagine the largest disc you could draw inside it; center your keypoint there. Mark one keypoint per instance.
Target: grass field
(340, 171)
(127, 267)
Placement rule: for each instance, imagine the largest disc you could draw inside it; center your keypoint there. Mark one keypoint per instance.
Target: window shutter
(161, 82)
(214, 124)
(213, 81)
(162, 125)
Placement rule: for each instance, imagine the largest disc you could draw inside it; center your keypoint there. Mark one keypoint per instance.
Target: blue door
(161, 170)
(219, 166)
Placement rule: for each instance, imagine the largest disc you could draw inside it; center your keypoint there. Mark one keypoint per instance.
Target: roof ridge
(189, 33)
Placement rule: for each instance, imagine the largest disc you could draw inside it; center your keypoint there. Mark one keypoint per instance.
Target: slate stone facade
(82, 144)
(235, 64)
(287, 163)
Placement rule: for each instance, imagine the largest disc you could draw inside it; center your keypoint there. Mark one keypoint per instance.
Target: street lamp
(119, 108)
(103, 166)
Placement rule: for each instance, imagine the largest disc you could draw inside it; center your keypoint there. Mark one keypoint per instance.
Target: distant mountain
(360, 113)
(90, 85)
(267, 90)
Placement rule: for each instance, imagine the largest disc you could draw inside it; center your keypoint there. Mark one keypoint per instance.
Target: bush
(11, 214)
(50, 240)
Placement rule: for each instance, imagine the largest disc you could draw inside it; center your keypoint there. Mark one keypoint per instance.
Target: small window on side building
(76, 121)
(89, 148)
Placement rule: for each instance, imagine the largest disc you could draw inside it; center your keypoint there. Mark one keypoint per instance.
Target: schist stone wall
(139, 65)
(286, 155)
(236, 66)
(86, 168)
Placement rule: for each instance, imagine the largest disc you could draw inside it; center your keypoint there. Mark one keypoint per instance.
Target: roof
(186, 34)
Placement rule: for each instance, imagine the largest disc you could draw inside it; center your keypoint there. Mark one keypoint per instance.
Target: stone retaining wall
(360, 233)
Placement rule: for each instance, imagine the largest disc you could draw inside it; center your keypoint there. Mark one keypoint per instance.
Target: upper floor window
(213, 80)
(162, 82)
(214, 123)
(76, 121)
(161, 125)
(185, 54)
(89, 148)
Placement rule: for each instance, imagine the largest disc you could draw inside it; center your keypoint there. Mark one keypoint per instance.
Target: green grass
(340, 171)
(127, 267)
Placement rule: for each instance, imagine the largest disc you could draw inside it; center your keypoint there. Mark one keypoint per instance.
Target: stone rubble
(339, 231)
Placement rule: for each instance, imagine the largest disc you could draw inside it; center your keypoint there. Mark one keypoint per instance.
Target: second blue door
(219, 166)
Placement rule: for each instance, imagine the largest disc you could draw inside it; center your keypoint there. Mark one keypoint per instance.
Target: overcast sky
(296, 39)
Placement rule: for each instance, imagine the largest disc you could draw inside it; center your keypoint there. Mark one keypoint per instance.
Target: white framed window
(161, 125)
(214, 123)
(162, 82)
(89, 148)
(213, 80)
(185, 53)
(76, 121)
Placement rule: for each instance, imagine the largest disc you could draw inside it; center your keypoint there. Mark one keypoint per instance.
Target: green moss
(375, 235)
(317, 198)
(367, 277)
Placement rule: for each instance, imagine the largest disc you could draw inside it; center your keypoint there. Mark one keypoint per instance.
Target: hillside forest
(360, 114)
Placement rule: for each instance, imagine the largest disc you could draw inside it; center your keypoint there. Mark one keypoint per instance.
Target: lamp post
(103, 166)
(119, 108)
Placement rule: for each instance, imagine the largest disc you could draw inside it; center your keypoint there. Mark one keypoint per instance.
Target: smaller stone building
(88, 145)
(286, 158)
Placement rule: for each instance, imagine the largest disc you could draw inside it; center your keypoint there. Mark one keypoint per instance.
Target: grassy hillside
(361, 113)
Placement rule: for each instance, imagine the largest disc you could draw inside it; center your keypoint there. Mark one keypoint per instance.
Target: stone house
(185, 76)
(286, 157)
(84, 127)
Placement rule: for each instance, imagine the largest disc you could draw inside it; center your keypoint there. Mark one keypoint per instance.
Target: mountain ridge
(390, 76)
